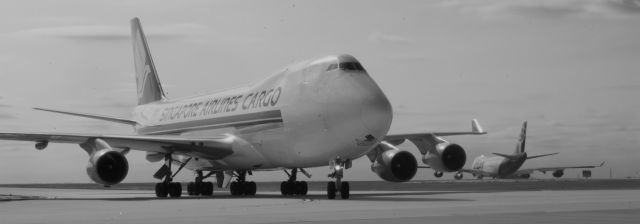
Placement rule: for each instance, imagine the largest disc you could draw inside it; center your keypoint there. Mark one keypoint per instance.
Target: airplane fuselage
(497, 166)
(302, 116)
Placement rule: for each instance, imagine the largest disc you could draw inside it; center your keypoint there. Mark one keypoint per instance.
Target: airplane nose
(376, 113)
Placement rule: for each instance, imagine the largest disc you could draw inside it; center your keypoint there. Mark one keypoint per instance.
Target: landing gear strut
(337, 168)
(241, 186)
(167, 187)
(292, 186)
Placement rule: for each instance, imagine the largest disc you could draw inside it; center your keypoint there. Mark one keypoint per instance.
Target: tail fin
(522, 139)
(149, 88)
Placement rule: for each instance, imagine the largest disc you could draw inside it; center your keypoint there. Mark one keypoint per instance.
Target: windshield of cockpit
(346, 66)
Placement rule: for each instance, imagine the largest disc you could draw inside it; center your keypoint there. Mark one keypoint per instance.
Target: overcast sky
(569, 67)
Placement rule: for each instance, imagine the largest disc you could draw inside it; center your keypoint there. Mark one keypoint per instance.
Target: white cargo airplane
(508, 166)
(315, 113)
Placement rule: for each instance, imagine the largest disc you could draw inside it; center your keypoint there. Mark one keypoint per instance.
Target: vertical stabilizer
(522, 139)
(148, 84)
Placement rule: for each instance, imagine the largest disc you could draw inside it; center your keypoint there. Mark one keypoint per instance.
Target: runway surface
(452, 202)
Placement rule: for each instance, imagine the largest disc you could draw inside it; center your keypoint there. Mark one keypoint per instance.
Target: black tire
(296, 188)
(206, 189)
(161, 190)
(331, 190)
(288, 188)
(233, 188)
(175, 190)
(283, 188)
(305, 188)
(251, 188)
(344, 190)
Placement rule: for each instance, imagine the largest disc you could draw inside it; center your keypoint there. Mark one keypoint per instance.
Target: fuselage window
(332, 67)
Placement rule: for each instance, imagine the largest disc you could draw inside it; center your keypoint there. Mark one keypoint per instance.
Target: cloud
(114, 33)
(548, 8)
(6, 117)
(379, 37)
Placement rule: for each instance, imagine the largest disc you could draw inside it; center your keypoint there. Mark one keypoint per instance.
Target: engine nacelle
(107, 167)
(395, 165)
(447, 157)
(558, 173)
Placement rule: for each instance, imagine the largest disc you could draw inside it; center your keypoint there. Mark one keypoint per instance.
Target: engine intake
(395, 165)
(107, 167)
(558, 173)
(447, 157)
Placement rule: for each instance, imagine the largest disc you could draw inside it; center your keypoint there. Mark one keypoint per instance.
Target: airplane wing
(92, 116)
(432, 137)
(548, 169)
(216, 147)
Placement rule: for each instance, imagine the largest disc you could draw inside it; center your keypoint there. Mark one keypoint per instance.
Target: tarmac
(572, 201)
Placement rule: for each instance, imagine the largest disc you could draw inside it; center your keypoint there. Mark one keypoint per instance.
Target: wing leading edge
(213, 148)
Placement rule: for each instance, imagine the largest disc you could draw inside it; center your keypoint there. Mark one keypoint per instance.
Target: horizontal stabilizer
(505, 155)
(550, 154)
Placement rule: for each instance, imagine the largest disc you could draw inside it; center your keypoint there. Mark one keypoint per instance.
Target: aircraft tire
(251, 188)
(305, 188)
(331, 190)
(344, 190)
(283, 187)
(175, 190)
(161, 190)
(206, 189)
(234, 188)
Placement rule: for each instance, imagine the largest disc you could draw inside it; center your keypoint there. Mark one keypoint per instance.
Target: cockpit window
(332, 67)
(351, 66)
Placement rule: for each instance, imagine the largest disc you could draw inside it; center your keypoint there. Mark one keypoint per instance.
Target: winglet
(601, 164)
(476, 128)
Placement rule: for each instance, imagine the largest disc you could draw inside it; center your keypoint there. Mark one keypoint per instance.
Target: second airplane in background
(508, 166)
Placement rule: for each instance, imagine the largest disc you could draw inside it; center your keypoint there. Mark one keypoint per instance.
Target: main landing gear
(199, 187)
(337, 168)
(241, 186)
(292, 186)
(167, 187)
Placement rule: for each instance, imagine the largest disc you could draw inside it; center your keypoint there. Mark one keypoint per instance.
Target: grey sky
(569, 67)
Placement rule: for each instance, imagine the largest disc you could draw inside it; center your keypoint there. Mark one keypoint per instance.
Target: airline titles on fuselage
(258, 99)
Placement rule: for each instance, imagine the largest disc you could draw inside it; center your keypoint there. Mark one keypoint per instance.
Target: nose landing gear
(337, 168)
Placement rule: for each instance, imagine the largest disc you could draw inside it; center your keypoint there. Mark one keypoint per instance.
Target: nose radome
(376, 113)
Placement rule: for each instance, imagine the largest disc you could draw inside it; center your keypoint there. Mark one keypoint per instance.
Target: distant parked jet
(508, 166)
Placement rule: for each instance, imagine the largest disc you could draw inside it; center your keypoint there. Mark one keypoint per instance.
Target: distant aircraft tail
(522, 139)
(148, 84)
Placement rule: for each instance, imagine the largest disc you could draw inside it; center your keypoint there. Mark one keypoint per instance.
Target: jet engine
(395, 165)
(447, 157)
(558, 173)
(107, 167)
